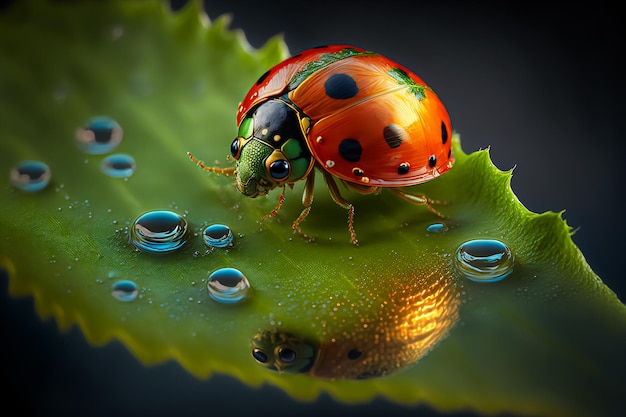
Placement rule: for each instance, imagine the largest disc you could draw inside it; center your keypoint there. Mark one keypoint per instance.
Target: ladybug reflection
(283, 352)
(405, 325)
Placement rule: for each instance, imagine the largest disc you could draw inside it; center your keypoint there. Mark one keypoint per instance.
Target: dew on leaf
(116, 32)
(228, 285)
(125, 290)
(100, 135)
(218, 235)
(118, 165)
(159, 231)
(437, 228)
(61, 92)
(483, 260)
(30, 175)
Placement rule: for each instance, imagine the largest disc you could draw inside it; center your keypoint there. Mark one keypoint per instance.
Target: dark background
(540, 83)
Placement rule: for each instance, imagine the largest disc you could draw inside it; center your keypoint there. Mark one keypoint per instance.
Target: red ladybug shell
(373, 121)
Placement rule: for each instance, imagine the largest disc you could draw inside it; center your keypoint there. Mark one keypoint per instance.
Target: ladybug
(412, 319)
(356, 116)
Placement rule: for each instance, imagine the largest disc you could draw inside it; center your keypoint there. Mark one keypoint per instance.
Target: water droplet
(141, 85)
(30, 175)
(118, 165)
(437, 228)
(159, 231)
(228, 285)
(101, 135)
(125, 290)
(484, 260)
(61, 92)
(116, 32)
(218, 235)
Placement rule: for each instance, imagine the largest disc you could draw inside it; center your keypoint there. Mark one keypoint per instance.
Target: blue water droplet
(484, 260)
(228, 285)
(159, 231)
(437, 228)
(30, 175)
(125, 290)
(101, 135)
(118, 165)
(218, 235)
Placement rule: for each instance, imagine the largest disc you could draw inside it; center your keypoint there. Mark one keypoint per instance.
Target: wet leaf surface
(544, 340)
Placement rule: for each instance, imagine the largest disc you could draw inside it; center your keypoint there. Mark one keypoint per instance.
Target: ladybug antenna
(225, 171)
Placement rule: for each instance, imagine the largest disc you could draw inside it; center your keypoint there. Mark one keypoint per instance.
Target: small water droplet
(159, 231)
(61, 92)
(228, 285)
(437, 228)
(199, 88)
(101, 135)
(118, 165)
(484, 260)
(30, 175)
(125, 290)
(218, 235)
(141, 85)
(116, 32)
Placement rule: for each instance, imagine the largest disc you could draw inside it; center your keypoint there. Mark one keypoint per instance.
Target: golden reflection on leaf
(378, 332)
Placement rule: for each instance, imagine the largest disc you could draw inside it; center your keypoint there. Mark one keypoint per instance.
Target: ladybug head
(270, 148)
(283, 352)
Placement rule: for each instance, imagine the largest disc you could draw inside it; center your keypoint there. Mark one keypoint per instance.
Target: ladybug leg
(307, 199)
(273, 213)
(337, 198)
(225, 171)
(422, 200)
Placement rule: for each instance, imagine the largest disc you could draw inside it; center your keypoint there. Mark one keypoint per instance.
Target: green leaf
(546, 340)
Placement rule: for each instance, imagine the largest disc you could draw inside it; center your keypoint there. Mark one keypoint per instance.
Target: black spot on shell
(354, 354)
(358, 172)
(403, 168)
(340, 87)
(394, 135)
(263, 77)
(432, 161)
(350, 150)
(444, 133)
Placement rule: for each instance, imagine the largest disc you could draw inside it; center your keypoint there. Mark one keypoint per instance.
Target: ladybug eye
(279, 169)
(259, 355)
(286, 355)
(235, 147)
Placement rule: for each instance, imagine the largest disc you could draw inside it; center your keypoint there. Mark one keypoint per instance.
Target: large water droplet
(484, 260)
(125, 290)
(118, 165)
(159, 231)
(228, 285)
(30, 175)
(101, 135)
(218, 235)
